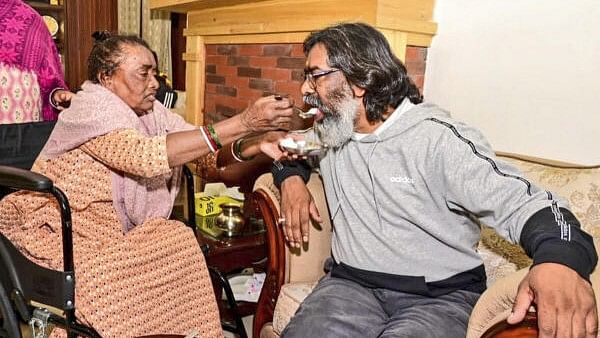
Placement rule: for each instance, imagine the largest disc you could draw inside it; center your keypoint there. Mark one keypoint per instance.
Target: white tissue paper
(247, 287)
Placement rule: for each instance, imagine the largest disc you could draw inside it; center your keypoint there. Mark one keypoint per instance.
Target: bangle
(51, 97)
(209, 141)
(214, 136)
(236, 151)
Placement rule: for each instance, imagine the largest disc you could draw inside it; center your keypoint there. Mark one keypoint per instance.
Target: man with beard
(404, 183)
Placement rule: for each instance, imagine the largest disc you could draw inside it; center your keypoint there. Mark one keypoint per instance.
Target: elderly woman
(116, 153)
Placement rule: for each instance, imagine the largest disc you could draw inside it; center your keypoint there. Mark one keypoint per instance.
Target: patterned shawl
(96, 111)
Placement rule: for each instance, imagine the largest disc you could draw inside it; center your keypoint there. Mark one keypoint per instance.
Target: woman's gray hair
(364, 56)
(107, 53)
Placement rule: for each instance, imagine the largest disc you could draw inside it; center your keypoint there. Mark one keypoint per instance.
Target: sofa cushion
(290, 297)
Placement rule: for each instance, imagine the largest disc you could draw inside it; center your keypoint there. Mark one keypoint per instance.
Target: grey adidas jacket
(403, 202)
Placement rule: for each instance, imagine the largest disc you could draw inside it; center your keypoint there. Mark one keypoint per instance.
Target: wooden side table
(229, 255)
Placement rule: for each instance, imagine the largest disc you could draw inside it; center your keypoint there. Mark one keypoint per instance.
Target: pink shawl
(96, 111)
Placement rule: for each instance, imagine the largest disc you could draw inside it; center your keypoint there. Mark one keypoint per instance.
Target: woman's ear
(105, 80)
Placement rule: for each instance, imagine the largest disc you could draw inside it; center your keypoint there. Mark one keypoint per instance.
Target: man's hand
(269, 144)
(566, 305)
(61, 98)
(297, 210)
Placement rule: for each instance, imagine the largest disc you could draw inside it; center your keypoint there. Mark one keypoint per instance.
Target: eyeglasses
(312, 77)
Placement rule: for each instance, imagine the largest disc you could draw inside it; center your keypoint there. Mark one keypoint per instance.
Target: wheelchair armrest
(21, 179)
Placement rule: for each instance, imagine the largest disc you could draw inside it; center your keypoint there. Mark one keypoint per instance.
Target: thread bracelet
(213, 135)
(209, 141)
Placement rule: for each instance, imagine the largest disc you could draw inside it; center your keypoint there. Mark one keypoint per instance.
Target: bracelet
(236, 151)
(214, 136)
(51, 99)
(209, 141)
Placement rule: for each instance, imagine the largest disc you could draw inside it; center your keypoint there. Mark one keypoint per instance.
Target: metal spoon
(306, 114)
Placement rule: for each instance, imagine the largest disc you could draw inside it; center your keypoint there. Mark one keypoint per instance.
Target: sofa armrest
(284, 264)
(495, 304)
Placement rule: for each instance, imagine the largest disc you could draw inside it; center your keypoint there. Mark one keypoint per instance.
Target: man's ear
(358, 91)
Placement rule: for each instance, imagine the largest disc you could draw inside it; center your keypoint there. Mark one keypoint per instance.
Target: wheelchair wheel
(9, 326)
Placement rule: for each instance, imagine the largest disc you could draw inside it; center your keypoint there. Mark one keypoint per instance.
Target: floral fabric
(20, 99)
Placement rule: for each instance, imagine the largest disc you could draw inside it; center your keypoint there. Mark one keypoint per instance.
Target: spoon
(306, 114)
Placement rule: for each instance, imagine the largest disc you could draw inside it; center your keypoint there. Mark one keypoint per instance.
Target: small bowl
(300, 147)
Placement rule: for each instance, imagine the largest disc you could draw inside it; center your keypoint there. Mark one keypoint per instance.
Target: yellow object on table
(207, 210)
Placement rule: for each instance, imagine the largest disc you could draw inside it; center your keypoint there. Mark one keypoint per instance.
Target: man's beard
(339, 115)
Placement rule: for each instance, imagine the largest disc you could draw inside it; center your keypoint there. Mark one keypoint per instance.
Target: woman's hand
(268, 113)
(61, 98)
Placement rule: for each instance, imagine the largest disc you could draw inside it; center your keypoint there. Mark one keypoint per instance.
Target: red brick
(416, 68)
(211, 88)
(237, 60)
(263, 61)
(416, 54)
(251, 50)
(227, 49)
(226, 111)
(290, 63)
(231, 102)
(211, 117)
(290, 88)
(261, 84)
(227, 91)
(211, 69)
(297, 50)
(276, 74)
(215, 79)
(419, 81)
(298, 75)
(226, 71)
(211, 49)
(249, 72)
(412, 54)
(247, 93)
(236, 82)
(209, 103)
(277, 50)
(218, 60)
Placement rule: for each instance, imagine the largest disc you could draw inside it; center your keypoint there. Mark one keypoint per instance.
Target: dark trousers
(342, 308)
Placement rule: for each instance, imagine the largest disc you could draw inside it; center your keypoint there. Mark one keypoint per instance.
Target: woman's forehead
(137, 55)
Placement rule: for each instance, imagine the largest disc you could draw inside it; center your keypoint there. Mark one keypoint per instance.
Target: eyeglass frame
(313, 77)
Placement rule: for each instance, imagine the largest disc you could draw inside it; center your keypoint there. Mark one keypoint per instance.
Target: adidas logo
(402, 179)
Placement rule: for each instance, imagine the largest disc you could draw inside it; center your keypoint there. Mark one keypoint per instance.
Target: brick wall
(236, 75)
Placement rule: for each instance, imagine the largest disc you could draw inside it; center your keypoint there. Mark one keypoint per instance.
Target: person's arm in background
(48, 69)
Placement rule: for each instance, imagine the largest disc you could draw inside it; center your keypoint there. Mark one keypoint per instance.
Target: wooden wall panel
(83, 18)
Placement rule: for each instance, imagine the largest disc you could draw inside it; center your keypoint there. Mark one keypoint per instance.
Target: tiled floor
(247, 324)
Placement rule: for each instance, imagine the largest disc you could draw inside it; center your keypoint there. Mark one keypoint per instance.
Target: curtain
(135, 17)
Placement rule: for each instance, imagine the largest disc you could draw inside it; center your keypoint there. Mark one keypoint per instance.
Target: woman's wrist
(238, 149)
(53, 102)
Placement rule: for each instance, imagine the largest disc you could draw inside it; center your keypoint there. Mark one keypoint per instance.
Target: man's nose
(306, 88)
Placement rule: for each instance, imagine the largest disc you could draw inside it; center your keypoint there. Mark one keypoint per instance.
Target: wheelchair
(41, 298)
(29, 291)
